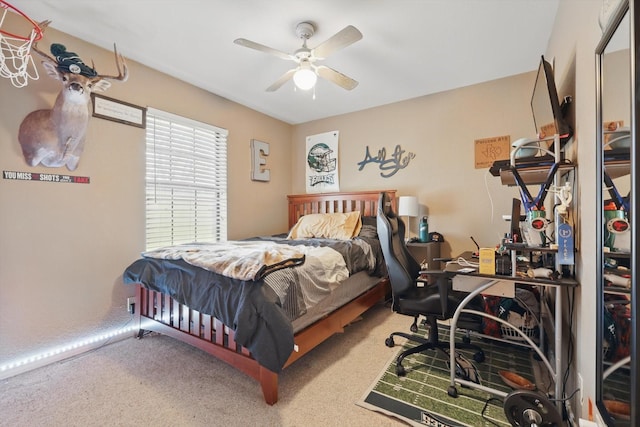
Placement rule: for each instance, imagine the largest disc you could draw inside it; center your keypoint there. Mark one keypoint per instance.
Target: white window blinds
(186, 181)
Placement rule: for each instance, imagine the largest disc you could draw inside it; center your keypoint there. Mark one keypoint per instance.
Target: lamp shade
(408, 206)
(305, 78)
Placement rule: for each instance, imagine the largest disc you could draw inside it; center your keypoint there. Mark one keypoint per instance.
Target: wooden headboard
(364, 201)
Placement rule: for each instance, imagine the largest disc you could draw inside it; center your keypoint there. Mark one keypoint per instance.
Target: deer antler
(43, 26)
(123, 71)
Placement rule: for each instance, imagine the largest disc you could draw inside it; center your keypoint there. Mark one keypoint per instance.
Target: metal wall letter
(259, 150)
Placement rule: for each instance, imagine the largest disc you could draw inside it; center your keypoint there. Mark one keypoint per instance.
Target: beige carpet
(158, 381)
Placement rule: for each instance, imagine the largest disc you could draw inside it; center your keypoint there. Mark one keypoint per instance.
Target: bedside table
(426, 251)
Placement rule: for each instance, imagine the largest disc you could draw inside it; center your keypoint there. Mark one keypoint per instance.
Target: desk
(476, 284)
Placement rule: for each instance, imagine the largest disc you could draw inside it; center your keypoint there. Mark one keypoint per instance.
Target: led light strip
(63, 352)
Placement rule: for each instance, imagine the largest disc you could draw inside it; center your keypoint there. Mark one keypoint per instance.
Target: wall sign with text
(118, 111)
(488, 150)
(399, 159)
(45, 177)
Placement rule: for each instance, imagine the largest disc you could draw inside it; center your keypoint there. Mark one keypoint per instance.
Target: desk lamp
(408, 207)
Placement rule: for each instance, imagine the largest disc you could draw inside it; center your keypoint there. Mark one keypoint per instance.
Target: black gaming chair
(435, 301)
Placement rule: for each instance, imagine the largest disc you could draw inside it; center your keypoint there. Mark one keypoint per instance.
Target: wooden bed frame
(160, 313)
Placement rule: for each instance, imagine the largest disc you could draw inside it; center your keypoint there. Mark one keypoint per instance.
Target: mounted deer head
(55, 137)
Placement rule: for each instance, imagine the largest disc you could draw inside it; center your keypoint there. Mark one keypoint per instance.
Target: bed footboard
(160, 313)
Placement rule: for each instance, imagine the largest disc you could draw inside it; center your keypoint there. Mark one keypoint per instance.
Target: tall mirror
(616, 278)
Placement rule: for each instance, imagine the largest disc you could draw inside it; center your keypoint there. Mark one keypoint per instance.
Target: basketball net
(16, 62)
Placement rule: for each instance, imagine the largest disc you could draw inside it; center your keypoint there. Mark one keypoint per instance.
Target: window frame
(185, 180)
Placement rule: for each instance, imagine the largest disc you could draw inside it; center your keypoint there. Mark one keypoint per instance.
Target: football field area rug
(420, 398)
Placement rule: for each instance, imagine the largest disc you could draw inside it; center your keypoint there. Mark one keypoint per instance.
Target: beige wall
(63, 247)
(573, 43)
(460, 200)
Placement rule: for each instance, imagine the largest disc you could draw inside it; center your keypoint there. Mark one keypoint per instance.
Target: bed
(247, 324)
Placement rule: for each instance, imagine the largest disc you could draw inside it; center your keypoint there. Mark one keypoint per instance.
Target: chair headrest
(385, 206)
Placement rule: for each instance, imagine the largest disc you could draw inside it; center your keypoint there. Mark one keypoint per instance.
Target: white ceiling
(409, 48)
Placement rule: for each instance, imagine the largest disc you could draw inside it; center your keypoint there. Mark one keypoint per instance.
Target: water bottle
(424, 230)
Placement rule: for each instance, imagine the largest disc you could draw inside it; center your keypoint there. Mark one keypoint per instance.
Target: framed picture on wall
(118, 111)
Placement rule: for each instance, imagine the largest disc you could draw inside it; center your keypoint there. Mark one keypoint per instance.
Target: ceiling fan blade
(343, 38)
(282, 80)
(263, 48)
(336, 77)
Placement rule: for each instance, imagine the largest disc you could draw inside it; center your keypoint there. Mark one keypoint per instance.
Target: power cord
(486, 405)
(486, 186)
(464, 262)
(570, 298)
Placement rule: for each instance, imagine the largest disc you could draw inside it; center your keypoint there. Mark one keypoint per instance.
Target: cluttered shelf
(617, 162)
(562, 282)
(617, 290)
(617, 254)
(523, 273)
(525, 248)
(532, 174)
(532, 170)
(617, 272)
(528, 264)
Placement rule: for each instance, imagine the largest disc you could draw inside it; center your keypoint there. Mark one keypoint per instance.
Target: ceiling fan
(307, 72)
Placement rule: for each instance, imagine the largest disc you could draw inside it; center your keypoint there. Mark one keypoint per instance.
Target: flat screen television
(547, 112)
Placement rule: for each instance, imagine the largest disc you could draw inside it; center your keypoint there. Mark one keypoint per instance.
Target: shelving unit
(551, 321)
(532, 174)
(548, 172)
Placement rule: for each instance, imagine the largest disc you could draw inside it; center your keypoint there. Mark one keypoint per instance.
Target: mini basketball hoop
(16, 63)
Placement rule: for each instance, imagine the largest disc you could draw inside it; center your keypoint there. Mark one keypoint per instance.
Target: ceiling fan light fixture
(306, 73)
(305, 78)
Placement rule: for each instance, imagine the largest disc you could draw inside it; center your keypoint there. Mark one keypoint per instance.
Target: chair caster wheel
(479, 356)
(400, 371)
(452, 391)
(389, 342)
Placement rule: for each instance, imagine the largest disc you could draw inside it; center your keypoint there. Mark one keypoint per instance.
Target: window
(186, 181)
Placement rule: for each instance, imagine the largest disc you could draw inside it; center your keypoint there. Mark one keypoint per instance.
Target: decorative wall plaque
(259, 150)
